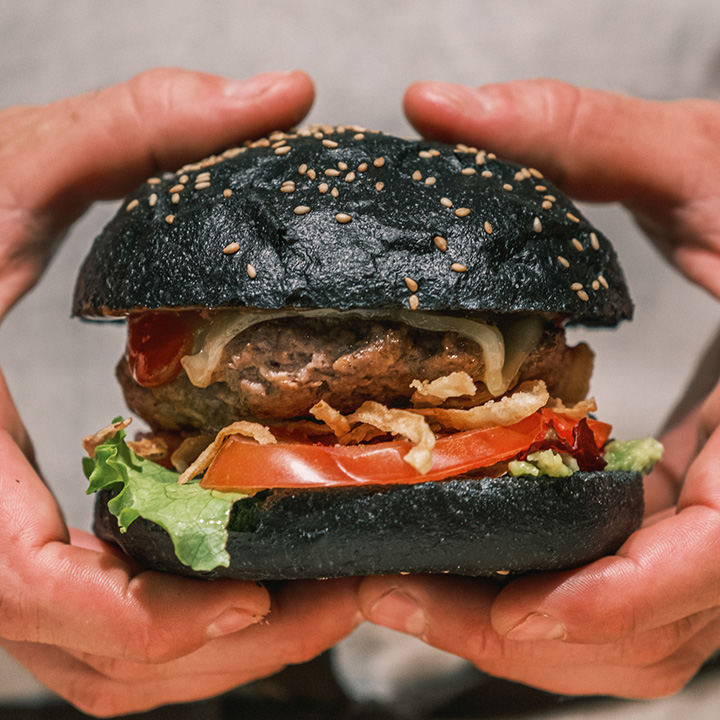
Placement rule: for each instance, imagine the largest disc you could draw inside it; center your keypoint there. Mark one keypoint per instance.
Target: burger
(349, 353)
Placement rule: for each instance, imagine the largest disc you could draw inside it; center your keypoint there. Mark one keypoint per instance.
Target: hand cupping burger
(350, 351)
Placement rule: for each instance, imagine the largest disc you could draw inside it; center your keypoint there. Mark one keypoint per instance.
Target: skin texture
(638, 624)
(107, 636)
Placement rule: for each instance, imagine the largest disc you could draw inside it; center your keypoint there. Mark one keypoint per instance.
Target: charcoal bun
(463, 526)
(348, 218)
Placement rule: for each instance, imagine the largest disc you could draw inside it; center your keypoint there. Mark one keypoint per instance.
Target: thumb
(597, 145)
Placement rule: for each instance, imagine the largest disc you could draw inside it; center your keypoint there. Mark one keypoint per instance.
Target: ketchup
(157, 340)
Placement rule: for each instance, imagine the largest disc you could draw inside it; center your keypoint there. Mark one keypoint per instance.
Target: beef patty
(281, 368)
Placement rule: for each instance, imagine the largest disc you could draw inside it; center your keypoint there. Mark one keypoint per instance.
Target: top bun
(342, 217)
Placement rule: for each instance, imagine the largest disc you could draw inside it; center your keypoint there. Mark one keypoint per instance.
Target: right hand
(95, 628)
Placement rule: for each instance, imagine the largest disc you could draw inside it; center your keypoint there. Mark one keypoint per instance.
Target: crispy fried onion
(333, 418)
(435, 392)
(528, 398)
(154, 448)
(577, 411)
(242, 427)
(400, 422)
(91, 442)
(188, 450)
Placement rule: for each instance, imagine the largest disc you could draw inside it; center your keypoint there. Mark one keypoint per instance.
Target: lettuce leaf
(195, 518)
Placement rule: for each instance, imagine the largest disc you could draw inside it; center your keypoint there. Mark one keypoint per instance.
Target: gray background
(362, 55)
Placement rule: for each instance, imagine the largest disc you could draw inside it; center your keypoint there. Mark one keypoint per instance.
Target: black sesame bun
(478, 527)
(270, 225)
(345, 218)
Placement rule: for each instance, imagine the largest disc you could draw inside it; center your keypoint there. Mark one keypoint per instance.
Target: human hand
(640, 623)
(83, 618)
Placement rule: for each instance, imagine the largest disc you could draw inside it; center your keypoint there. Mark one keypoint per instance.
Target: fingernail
(399, 611)
(538, 626)
(231, 621)
(254, 86)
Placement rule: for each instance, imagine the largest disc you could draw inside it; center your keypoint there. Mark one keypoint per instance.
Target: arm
(98, 630)
(639, 623)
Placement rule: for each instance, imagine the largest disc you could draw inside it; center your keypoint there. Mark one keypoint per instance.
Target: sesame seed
(343, 166)
(578, 245)
(458, 267)
(572, 217)
(583, 295)
(359, 136)
(440, 242)
(175, 199)
(335, 192)
(343, 218)
(152, 199)
(202, 185)
(468, 171)
(379, 186)
(176, 188)
(563, 261)
(551, 198)
(323, 188)
(169, 219)
(546, 205)
(576, 286)
(486, 173)
(430, 180)
(132, 204)
(350, 177)
(594, 241)
(595, 285)
(278, 143)
(362, 167)
(318, 136)
(251, 271)
(227, 192)
(603, 282)
(301, 210)
(302, 169)
(480, 158)
(507, 186)
(540, 188)
(311, 174)
(491, 156)
(488, 227)
(329, 143)
(535, 173)
(411, 284)
(379, 162)
(287, 189)
(283, 150)
(202, 177)
(184, 179)
(462, 212)
(231, 249)
(424, 154)
(414, 302)
(417, 175)
(537, 225)
(332, 172)
(153, 180)
(434, 152)
(447, 202)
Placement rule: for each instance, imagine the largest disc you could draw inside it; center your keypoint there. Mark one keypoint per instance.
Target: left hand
(641, 622)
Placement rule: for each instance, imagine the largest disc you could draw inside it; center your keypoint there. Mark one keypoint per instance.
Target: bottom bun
(463, 526)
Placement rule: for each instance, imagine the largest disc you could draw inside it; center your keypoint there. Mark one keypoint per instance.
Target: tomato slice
(156, 343)
(243, 464)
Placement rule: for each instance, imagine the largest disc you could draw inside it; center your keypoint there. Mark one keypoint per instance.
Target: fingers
(115, 138)
(11, 423)
(598, 145)
(57, 593)
(306, 619)
(454, 615)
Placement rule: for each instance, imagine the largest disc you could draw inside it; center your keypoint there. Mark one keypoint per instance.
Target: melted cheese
(503, 356)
